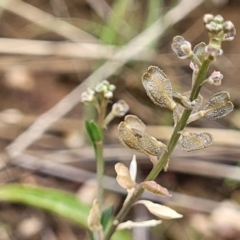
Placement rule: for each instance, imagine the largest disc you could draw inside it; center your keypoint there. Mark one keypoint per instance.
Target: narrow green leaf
(106, 215)
(94, 132)
(62, 203)
(52, 200)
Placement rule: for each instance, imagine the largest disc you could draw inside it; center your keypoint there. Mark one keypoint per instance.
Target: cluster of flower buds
(100, 96)
(104, 88)
(219, 31)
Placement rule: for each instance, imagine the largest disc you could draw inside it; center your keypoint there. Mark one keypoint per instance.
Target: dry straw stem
(107, 69)
(47, 21)
(63, 49)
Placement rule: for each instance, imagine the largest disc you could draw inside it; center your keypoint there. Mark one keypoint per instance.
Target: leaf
(106, 215)
(195, 141)
(158, 87)
(94, 132)
(159, 210)
(52, 200)
(155, 188)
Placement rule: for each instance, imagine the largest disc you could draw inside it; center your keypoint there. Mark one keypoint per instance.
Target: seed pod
(199, 51)
(159, 210)
(155, 188)
(149, 144)
(181, 47)
(218, 106)
(158, 88)
(127, 137)
(195, 141)
(132, 133)
(134, 122)
(123, 176)
(94, 217)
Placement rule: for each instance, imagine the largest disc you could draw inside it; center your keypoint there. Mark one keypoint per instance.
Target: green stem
(165, 156)
(100, 172)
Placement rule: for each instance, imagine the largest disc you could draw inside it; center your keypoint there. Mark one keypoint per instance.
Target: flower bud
(106, 88)
(218, 19)
(208, 18)
(229, 31)
(215, 78)
(88, 96)
(213, 51)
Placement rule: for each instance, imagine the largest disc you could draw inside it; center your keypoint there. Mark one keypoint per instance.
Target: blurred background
(51, 51)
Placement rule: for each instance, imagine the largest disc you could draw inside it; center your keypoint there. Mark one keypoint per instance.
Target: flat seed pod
(94, 217)
(195, 141)
(155, 188)
(130, 224)
(127, 137)
(132, 134)
(149, 144)
(134, 122)
(123, 176)
(218, 106)
(158, 88)
(159, 210)
(199, 51)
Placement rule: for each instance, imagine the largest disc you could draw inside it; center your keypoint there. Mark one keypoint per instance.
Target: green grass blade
(52, 200)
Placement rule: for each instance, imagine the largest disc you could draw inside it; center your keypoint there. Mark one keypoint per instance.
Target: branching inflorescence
(186, 107)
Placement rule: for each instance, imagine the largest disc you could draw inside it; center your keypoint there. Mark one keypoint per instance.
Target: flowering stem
(100, 172)
(201, 76)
